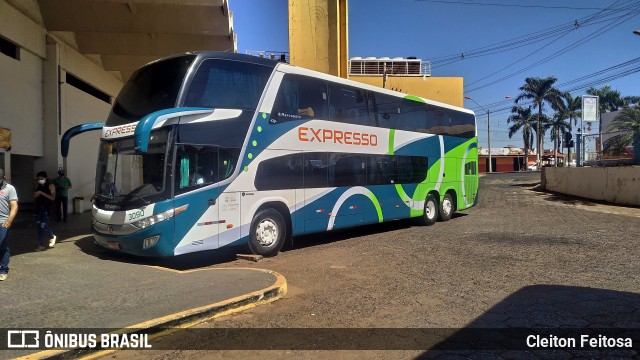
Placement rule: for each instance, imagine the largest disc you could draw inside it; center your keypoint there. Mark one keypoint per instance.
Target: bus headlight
(146, 222)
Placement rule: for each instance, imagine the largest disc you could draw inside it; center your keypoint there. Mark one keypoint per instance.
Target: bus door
(229, 225)
(229, 203)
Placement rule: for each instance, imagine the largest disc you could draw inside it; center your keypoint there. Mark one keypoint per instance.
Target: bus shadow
(545, 310)
(305, 241)
(229, 254)
(181, 262)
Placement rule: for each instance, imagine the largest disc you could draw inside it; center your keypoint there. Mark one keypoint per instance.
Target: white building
(62, 63)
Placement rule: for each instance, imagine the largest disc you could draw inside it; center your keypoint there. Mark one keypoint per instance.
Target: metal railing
(607, 149)
(390, 67)
(282, 56)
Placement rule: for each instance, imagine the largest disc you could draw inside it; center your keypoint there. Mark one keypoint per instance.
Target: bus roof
(226, 56)
(288, 68)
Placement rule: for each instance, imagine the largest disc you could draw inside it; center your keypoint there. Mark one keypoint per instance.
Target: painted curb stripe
(180, 320)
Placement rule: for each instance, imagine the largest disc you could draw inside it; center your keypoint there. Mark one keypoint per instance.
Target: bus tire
(446, 207)
(268, 233)
(430, 211)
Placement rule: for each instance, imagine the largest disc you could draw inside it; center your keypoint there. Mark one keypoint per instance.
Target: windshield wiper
(145, 201)
(100, 196)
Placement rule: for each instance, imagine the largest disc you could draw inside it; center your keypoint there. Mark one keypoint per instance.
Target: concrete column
(52, 158)
(318, 35)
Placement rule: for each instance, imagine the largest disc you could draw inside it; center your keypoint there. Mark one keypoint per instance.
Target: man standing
(63, 184)
(8, 211)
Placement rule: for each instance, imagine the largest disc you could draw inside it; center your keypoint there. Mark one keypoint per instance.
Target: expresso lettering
(308, 134)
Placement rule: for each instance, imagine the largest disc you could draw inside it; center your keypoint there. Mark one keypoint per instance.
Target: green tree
(523, 120)
(569, 108)
(609, 99)
(558, 127)
(631, 100)
(628, 122)
(540, 91)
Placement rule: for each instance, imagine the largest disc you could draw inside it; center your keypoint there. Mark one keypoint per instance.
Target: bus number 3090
(136, 215)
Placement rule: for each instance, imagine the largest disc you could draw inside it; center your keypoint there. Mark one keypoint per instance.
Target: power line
(497, 107)
(513, 5)
(600, 31)
(522, 40)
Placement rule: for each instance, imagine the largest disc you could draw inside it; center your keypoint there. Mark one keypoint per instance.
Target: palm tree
(540, 91)
(631, 100)
(608, 99)
(558, 127)
(523, 120)
(569, 108)
(628, 121)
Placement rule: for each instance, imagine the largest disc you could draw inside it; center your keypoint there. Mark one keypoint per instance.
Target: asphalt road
(520, 259)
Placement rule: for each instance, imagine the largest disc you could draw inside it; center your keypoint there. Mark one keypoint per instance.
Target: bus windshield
(151, 88)
(128, 179)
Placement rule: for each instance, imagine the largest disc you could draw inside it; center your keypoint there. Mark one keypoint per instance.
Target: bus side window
(348, 104)
(299, 98)
(227, 158)
(346, 169)
(315, 169)
(414, 116)
(196, 167)
(384, 110)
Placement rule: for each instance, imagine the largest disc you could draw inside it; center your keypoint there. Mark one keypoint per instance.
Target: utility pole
(490, 168)
(489, 139)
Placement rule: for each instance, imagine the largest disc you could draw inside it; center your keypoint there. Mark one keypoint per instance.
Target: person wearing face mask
(44, 196)
(8, 211)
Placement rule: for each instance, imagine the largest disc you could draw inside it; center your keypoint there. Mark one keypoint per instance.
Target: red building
(504, 159)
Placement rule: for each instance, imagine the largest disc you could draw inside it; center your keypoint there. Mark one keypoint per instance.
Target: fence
(607, 149)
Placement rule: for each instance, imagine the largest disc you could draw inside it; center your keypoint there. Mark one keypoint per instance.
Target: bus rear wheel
(446, 207)
(268, 233)
(430, 211)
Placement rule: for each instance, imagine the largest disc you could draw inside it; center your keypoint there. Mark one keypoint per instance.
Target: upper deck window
(151, 88)
(227, 84)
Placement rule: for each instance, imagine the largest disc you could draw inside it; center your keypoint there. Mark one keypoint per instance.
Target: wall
(449, 90)
(21, 82)
(30, 105)
(620, 185)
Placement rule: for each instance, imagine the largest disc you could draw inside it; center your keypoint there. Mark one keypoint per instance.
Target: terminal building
(63, 62)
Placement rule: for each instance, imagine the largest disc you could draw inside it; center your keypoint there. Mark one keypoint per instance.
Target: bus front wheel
(268, 233)
(430, 211)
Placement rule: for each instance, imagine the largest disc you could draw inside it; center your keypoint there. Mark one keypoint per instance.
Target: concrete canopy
(122, 35)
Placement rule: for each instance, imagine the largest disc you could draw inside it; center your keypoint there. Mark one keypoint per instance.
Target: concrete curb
(171, 323)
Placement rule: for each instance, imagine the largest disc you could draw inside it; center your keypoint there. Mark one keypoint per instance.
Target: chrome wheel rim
(446, 206)
(267, 232)
(430, 209)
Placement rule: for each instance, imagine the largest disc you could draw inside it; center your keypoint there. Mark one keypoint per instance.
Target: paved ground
(78, 285)
(520, 259)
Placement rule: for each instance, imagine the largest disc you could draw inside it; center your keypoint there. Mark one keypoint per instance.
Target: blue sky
(441, 31)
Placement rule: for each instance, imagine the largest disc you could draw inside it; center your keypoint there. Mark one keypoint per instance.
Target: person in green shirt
(63, 184)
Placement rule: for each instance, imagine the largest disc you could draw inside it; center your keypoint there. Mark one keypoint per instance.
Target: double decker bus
(209, 149)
